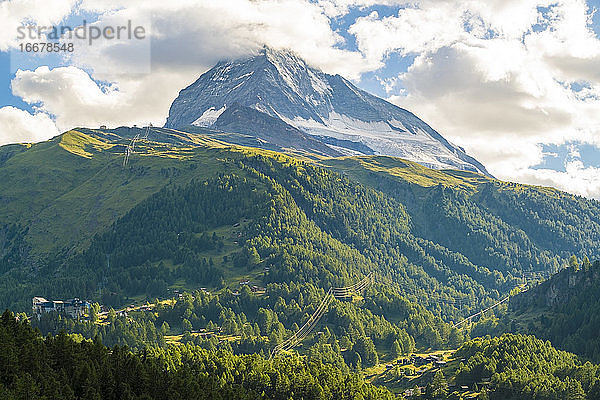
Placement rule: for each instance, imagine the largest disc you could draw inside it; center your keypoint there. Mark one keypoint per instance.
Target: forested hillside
(526, 368)
(503, 226)
(187, 212)
(64, 367)
(32, 367)
(564, 309)
(455, 234)
(351, 335)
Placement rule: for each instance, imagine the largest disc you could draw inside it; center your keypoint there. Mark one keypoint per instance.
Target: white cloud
(13, 13)
(76, 100)
(485, 78)
(194, 34)
(491, 89)
(337, 8)
(427, 25)
(19, 126)
(413, 30)
(577, 179)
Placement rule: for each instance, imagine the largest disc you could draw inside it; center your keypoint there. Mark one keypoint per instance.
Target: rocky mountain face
(560, 289)
(322, 108)
(247, 120)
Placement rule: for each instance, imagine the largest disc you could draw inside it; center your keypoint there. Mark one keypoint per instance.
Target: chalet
(257, 289)
(432, 358)
(74, 308)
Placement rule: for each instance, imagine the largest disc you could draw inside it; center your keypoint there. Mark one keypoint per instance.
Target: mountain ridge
(327, 107)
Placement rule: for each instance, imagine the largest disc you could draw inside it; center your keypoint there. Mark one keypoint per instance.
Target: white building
(74, 307)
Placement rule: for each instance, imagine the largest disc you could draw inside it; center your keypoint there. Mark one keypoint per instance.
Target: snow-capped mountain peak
(328, 108)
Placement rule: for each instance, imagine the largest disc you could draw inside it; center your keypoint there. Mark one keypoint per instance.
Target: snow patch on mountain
(384, 137)
(209, 117)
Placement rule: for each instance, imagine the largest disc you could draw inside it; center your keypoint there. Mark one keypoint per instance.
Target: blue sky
(556, 155)
(11, 61)
(501, 78)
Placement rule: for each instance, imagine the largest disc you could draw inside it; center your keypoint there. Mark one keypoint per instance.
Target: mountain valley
(283, 208)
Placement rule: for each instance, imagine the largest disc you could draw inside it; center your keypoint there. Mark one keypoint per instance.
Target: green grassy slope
(72, 187)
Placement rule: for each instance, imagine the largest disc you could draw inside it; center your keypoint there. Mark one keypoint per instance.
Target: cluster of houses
(437, 362)
(419, 361)
(430, 359)
(254, 288)
(74, 308)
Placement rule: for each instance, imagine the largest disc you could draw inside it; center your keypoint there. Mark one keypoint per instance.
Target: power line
(311, 323)
(470, 317)
(130, 148)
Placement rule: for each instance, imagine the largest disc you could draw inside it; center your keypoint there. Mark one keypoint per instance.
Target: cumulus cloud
(498, 78)
(487, 89)
(19, 126)
(413, 30)
(337, 8)
(71, 95)
(577, 179)
(13, 13)
(197, 33)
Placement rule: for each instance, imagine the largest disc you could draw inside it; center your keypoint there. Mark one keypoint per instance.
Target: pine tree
(438, 388)
(483, 395)
(165, 328)
(586, 264)
(112, 315)
(94, 310)
(574, 262)
(396, 349)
